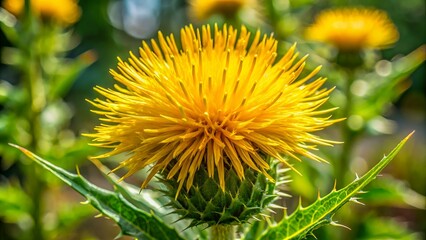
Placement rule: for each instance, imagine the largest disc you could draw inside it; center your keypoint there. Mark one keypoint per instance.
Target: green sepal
(205, 203)
(306, 219)
(132, 221)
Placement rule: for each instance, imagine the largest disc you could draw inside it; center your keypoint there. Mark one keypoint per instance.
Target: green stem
(343, 162)
(34, 183)
(222, 232)
(36, 192)
(34, 85)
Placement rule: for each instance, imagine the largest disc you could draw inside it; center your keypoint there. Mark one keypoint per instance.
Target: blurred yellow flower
(216, 103)
(65, 12)
(352, 29)
(203, 9)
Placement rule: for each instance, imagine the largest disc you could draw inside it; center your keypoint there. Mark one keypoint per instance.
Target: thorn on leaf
(313, 235)
(355, 200)
(339, 225)
(272, 205)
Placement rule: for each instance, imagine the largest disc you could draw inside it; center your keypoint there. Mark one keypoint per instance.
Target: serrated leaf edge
(352, 189)
(71, 180)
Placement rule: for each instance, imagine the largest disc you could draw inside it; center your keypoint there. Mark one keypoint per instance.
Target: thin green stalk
(34, 85)
(34, 184)
(35, 189)
(343, 162)
(222, 232)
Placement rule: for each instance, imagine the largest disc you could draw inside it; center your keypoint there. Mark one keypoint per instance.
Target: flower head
(352, 29)
(202, 9)
(217, 103)
(65, 12)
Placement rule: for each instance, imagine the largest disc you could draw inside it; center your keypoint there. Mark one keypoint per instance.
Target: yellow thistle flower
(65, 12)
(353, 29)
(217, 103)
(203, 9)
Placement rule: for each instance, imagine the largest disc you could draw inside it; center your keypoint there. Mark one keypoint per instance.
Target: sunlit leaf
(151, 201)
(306, 219)
(132, 221)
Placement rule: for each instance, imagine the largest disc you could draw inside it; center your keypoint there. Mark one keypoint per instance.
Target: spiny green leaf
(151, 201)
(132, 221)
(304, 220)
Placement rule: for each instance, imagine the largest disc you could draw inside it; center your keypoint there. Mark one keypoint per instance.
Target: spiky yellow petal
(352, 29)
(221, 101)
